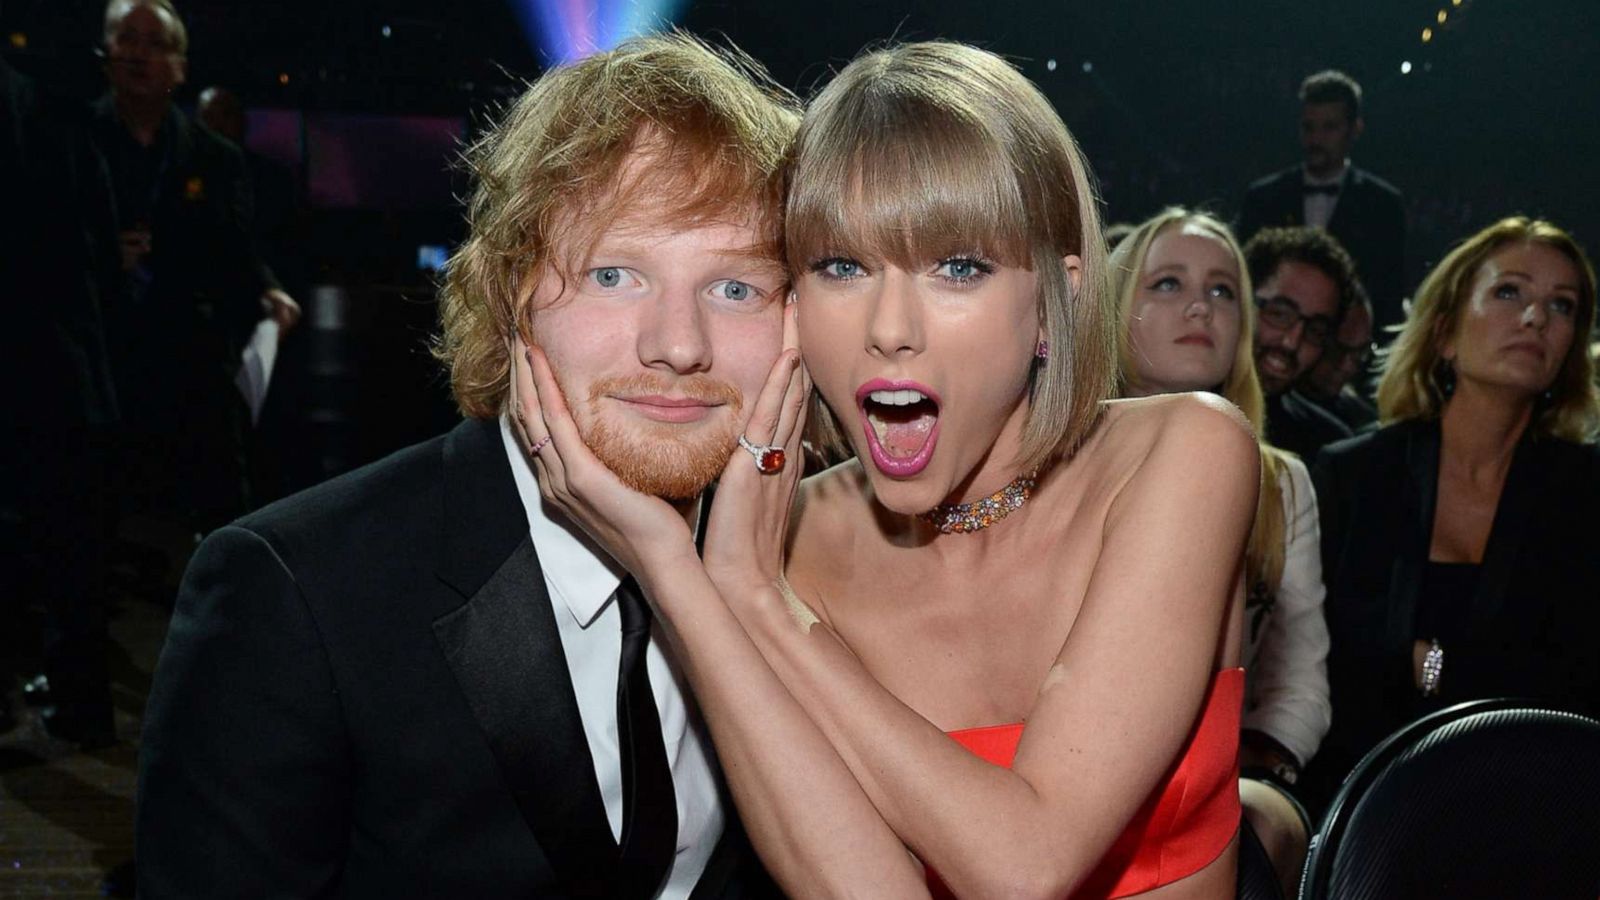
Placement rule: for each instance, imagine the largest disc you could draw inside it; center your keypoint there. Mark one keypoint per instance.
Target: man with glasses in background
(1335, 382)
(1304, 283)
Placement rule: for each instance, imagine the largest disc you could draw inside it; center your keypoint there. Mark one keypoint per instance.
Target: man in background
(1326, 190)
(1304, 284)
(57, 407)
(192, 287)
(1335, 383)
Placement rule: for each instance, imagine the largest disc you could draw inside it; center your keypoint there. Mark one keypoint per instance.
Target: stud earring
(1043, 350)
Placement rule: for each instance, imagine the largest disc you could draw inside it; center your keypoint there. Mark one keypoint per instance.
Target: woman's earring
(1043, 350)
(1445, 378)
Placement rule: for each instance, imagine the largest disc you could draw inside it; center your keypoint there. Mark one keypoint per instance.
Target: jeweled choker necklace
(965, 518)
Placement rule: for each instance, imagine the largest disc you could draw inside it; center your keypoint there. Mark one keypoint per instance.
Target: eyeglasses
(1360, 354)
(1284, 314)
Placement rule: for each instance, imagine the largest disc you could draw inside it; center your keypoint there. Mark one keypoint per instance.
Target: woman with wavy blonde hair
(1456, 539)
(1183, 288)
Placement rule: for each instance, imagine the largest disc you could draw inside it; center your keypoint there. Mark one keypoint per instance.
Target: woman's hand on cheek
(638, 530)
(749, 519)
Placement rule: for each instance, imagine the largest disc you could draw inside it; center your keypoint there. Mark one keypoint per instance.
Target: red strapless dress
(1186, 822)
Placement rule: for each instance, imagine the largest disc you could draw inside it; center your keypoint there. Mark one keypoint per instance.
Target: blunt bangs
(918, 184)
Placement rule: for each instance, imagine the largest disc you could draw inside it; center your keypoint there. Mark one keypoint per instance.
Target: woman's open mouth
(901, 423)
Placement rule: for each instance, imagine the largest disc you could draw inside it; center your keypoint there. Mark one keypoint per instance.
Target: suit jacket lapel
(1422, 486)
(506, 654)
(1526, 482)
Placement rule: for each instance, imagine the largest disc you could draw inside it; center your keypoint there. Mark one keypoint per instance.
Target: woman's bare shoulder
(1194, 415)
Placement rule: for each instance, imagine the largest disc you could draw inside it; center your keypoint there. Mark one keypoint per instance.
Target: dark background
(1173, 102)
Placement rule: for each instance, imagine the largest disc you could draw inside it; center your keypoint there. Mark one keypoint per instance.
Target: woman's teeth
(896, 398)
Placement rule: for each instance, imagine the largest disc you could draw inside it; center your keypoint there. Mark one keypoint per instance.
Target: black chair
(1257, 879)
(1493, 798)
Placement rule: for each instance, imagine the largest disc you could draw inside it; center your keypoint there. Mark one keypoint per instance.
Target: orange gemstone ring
(769, 460)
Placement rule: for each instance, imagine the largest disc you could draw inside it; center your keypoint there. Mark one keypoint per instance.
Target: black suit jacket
(363, 694)
(58, 262)
(1369, 220)
(1301, 427)
(206, 277)
(1532, 625)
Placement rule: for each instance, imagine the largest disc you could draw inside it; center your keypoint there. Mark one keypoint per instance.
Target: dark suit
(1530, 628)
(1301, 427)
(1369, 220)
(58, 262)
(364, 694)
(185, 314)
(1348, 406)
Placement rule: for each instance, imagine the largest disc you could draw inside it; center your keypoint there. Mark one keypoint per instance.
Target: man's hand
(281, 307)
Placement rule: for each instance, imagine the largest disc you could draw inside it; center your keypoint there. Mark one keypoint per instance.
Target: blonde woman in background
(1458, 540)
(1183, 289)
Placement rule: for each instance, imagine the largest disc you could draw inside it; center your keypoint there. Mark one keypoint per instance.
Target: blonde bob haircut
(1264, 554)
(1412, 385)
(715, 132)
(928, 150)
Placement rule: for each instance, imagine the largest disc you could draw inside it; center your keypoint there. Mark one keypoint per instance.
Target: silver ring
(540, 445)
(769, 459)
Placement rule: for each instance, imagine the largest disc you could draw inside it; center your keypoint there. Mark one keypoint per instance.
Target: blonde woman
(1005, 637)
(1182, 285)
(1458, 540)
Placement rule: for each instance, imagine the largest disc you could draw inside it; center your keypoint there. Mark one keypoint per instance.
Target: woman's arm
(1290, 677)
(1113, 712)
(813, 826)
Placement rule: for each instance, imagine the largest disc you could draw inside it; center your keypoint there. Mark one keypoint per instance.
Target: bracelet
(1432, 668)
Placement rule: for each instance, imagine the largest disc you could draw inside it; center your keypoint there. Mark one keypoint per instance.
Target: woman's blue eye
(962, 269)
(1169, 283)
(607, 276)
(1566, 306)
(1507, 292)
(735, 290)
(837, 268)
(1222, 291)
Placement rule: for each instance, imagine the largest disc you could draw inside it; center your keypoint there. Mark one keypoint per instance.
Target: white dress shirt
(582, 581)
(1318, 208)
(1286, 657)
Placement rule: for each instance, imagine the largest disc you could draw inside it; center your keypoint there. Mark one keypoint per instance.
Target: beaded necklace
(965, 518)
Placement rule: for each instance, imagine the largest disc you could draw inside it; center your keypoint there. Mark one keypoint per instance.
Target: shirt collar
(581, 576)
(1307, 178)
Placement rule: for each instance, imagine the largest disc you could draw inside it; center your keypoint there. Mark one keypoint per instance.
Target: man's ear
(1357, 128)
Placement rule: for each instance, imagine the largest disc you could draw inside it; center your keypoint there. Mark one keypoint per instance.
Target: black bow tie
(1332, 190)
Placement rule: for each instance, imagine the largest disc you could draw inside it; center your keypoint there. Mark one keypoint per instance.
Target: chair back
(1492, 798)
(1257, 879)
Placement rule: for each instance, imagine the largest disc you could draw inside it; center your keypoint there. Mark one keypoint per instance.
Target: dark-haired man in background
(1327, 191)
(1304, 283)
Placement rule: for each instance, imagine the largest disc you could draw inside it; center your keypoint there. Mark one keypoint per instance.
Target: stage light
(387, 31)
(283, 77)
(1050, 65)
(1427, 35)
(567, 30)
(1088, 66)
(19, 40)
(1442, 16)
(1405, 67)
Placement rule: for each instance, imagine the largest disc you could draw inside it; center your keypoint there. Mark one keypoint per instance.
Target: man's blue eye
(609, 276)
(736, 290)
